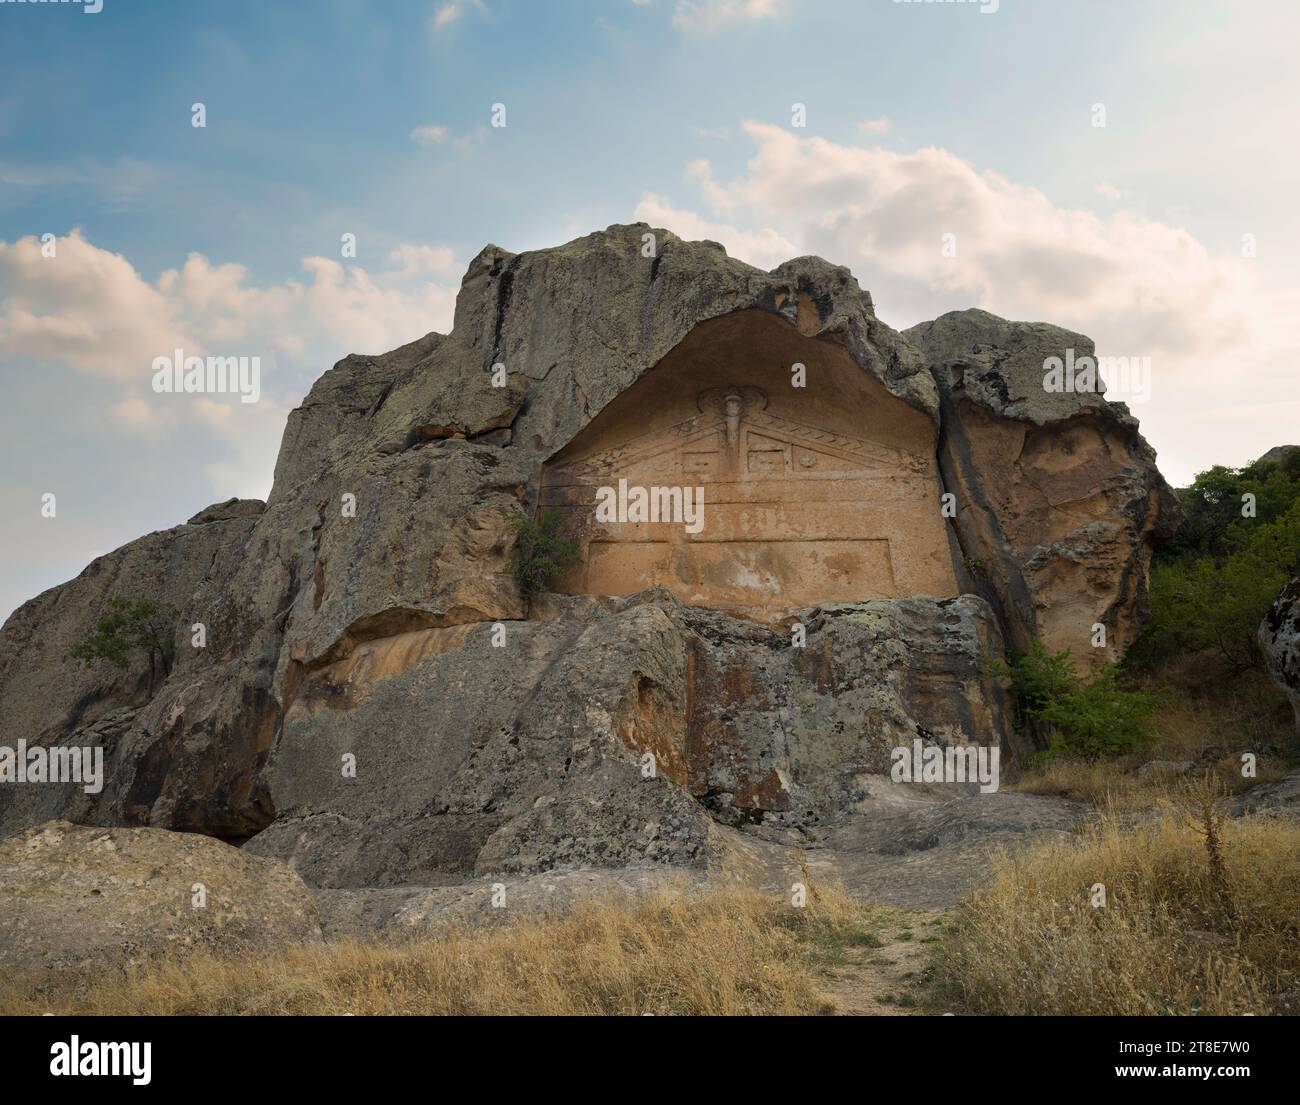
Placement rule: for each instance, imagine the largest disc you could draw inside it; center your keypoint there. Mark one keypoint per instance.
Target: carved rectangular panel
(793, 514)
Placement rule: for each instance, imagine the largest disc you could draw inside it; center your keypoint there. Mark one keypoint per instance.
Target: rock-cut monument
(826, 493)
(917, 502)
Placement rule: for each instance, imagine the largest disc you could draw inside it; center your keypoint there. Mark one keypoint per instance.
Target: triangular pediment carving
(733, 424)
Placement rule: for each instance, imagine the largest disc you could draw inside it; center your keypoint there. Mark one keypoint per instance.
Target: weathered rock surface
(350, 620)
(1279, 636)
(71, 895)
(214, 717)
(440, 460)
(818, 484)
(1059, 502)
(927, 853)
(516, 758)
(932, 856)
(44, 691)
(1279, 799)
(1278, 454)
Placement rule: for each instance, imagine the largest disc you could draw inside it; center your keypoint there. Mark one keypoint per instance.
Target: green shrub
(1213, 524)
(1082, 718)
(1201, 605)
(1211, 588)
(132, 625)
(540, 554)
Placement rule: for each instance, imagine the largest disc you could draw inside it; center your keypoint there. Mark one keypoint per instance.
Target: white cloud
(430, 134)
(1223, 341)
(414, 259)
(221, 309)
(435, 134)
(446, 14)
(135, 414)
(713, 15)
(90, 309)
(875, 126)
(1147, 284)
(373, 313)
(85, 306)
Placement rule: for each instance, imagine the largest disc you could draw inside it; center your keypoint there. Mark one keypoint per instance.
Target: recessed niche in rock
(822, 493)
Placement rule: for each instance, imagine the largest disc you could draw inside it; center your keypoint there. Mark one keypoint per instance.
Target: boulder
(1278, 454)
(1278, 799)
(191, 746)
(1279, 637)
(45, 691)
(71, 894)
(228, 511)
(1165, 768)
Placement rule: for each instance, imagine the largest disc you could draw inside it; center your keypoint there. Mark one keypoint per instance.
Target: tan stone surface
(1060, 505)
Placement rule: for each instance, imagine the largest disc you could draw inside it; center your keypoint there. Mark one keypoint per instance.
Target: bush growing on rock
(1087, 719)
(540, 555)
(133, 625)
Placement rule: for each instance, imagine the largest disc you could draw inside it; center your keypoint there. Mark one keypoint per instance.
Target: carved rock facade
(817, 485)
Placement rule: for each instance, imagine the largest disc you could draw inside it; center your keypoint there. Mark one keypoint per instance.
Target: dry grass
(1200, 918)
(1210, 723)
(733, 952)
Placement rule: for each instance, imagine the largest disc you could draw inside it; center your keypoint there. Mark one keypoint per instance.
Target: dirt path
(887, 980)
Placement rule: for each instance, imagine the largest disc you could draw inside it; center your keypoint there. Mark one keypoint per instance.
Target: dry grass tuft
(732, 952)
(1202, 916)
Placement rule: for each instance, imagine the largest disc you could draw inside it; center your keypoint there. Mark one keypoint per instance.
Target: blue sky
(342, 116)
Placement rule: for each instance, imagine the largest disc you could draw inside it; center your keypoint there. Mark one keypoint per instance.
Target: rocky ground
(73, 895)
(925, 856)
(70, 893)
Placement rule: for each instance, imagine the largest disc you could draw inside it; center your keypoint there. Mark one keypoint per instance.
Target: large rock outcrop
(1279, 454)
(214, 717)
(377, 702)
